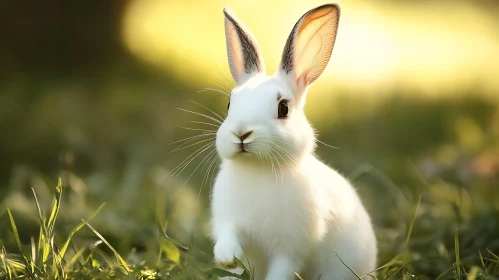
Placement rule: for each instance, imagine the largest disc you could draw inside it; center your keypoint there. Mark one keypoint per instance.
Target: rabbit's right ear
(243, 52)
(309, 46)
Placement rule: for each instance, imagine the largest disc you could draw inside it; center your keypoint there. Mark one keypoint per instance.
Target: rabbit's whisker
(190, 145)
(198, 129)
(325, 144)
(286, 153)
(212, 160)
(210, 145)
(220, 66)
(192, 173)
(191, 138)
(282, 149)
(179, 168)
(219, 117)
(215, 90)
(224, 89)
(228, 86)
(213, 173)
(280, 168)
(223, 113)
(282, 140)
(207, 123)
(187, 161)
(211, 169)
(284, 160)
(267, 160)
(200, 114)
(274, 170)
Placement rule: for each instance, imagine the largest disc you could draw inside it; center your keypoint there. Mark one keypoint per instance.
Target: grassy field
(90, 187)
(427, 171)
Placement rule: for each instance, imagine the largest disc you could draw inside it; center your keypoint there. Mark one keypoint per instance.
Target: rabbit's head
(265, 119)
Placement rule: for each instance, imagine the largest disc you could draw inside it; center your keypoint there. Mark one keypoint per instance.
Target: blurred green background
(89, 91)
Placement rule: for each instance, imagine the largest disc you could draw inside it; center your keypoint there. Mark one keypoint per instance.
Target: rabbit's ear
(243, 52)
(309, 46)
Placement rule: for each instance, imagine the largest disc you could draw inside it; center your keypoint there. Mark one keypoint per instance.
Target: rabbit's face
(265, 123)
(265, 120)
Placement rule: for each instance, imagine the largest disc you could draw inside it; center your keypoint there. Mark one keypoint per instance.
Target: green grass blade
(411, 226)
(55, 207)
(118, 256)
(87, 259)
(297, 275)
(171, 251)
(97, 251)
(162, 229)
(398, 270)
(400, 259)
(62, 253)
(444, 273)
(353, 272)
(46, 237)
(492, 261)
(14, 231)
(33, 254)
(481, 261)
(247, 274)
(495, 260)
(458, 259)
(16, 264)
(18, 243)
(223, 273)
(6, 267)
(40, 245)
(76, 256)
(473, 274)
(492, 253)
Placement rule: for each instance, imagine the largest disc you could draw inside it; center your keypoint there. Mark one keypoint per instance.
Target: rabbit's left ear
(243, 52)
(309, 46)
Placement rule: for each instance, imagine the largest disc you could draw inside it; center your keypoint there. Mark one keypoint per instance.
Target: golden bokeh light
(427, 47)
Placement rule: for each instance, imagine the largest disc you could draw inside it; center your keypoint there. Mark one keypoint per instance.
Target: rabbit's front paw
(225, 253)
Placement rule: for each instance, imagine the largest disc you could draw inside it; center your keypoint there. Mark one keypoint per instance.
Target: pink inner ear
(233, 51)
(300, 81)
(314, 41)
(243, 51)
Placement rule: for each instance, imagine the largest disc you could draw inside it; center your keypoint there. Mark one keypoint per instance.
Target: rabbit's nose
(244, 135)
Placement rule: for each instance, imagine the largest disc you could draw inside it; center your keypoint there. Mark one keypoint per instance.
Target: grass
(115, 215)
(44, 258)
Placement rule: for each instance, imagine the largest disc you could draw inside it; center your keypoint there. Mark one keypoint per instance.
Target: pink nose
(244, 135)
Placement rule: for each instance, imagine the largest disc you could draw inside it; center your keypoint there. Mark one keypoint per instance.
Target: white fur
(277, 206)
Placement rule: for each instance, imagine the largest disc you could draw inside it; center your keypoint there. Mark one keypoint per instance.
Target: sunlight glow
(426, 47)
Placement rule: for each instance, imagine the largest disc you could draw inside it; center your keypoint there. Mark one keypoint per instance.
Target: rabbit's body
(308, 217)
(273, 202)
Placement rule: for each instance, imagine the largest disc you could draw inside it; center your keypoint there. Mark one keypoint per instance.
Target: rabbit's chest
(265, 207)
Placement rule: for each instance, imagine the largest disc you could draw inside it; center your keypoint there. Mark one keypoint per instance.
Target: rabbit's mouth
(243, 148)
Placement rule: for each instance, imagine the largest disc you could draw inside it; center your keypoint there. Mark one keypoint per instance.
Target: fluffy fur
(273, 203)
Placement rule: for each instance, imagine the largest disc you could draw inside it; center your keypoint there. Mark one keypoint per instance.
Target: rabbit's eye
(283, 109)
(228, 106)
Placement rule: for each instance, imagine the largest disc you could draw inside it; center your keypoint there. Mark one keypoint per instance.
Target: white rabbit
(273, 203)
